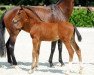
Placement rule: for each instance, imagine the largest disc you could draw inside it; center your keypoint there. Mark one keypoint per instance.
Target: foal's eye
(19, 13)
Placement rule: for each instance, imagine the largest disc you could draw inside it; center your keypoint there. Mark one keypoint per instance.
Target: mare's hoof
(10, 63)
(62, 64)
(51, 65)
(16, 67)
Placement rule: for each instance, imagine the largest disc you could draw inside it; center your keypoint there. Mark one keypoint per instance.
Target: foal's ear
(21, 7)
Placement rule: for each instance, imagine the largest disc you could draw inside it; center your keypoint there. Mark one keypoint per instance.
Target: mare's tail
(2, 32)
(78, 34)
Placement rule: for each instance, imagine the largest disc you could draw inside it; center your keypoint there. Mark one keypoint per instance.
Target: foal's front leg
(35, 55)
(78, 52)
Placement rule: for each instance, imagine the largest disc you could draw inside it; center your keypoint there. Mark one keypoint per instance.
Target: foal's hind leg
(78, 52)
(70, 51)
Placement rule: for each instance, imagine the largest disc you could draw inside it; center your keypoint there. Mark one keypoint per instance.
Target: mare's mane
(58, 2)
(56, 12)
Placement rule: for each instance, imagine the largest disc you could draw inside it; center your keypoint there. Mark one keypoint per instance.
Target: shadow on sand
(43, 67)
(23, 65)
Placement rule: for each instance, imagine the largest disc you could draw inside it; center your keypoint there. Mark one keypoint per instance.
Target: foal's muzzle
(16, 23)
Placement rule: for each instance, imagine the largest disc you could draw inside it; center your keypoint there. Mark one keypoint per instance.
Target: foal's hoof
(17, 68)
(31, 71)
(80, 69)
(67, 73)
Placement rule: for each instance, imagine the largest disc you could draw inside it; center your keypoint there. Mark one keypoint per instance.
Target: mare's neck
(66, 6)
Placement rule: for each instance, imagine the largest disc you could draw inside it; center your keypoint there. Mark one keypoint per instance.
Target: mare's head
(20, 19)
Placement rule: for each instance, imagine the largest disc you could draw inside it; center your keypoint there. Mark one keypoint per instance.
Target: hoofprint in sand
(23, 53)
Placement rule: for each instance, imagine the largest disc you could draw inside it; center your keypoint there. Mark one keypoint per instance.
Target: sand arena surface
(23, 54)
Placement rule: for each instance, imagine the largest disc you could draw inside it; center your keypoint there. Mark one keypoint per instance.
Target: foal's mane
(58, 2)
(31, 11)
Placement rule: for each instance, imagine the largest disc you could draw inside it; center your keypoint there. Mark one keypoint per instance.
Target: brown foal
(47, 31)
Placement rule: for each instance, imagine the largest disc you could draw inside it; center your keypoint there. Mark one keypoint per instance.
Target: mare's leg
(8, 52)
(35, 54)
(53, 46)
(10, 48)
(60, 52)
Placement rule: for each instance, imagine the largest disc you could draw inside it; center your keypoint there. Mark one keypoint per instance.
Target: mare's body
(45, 14)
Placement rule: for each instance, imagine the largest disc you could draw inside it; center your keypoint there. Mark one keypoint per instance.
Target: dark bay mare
(47, 31)
(61, 11)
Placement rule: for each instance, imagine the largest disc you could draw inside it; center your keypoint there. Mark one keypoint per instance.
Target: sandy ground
(23, 53)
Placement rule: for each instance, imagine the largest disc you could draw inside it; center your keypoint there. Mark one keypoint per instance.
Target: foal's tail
(78, 34)
(2, 38)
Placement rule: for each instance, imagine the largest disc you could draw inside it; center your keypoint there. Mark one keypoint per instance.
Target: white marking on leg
(17, 68)
(80, 67)
(31, 71)
(69, 68)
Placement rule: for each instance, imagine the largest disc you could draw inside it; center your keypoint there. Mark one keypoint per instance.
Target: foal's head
(20, 18)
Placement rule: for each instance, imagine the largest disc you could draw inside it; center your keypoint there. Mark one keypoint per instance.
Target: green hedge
(7, 7)
(80, 17)
(1, 12)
